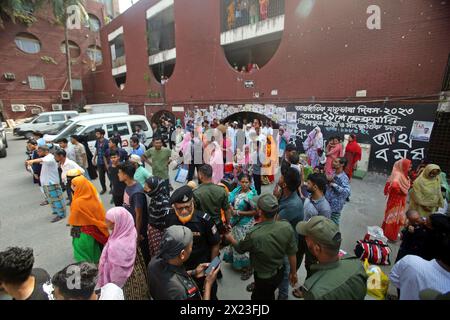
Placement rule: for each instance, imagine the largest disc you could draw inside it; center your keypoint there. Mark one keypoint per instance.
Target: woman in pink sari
(334, 150)
(263, 9)
(217, 162)
(119, 254)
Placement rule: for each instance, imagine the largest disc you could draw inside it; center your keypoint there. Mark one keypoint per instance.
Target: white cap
(135, 158)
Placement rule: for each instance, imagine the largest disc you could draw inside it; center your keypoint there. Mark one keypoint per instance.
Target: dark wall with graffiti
(386, 127)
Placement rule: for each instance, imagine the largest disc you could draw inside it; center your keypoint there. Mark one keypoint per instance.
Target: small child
(413, 236)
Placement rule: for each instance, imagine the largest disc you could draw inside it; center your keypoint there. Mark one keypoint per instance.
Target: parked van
(107, 107)
(43, 122)
(58, 132)
(124, 126)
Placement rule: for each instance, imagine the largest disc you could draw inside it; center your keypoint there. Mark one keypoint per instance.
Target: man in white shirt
(66, 164)
(50, 182)
(69, 149)
(413, 274)
(231, 134)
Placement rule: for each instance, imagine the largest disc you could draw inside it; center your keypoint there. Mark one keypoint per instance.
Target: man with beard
(206, 236)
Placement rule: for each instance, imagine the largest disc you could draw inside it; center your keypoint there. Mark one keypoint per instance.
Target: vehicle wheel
(3, 153)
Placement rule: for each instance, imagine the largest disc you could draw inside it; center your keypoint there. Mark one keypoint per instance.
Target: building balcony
(163, 56)
(252, 31)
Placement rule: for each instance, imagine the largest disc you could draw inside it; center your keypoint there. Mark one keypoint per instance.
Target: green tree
(18, 11)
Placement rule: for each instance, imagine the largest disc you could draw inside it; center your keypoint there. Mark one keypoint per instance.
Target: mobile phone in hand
(213, 265)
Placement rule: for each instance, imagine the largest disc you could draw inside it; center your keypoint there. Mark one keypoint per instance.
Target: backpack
(375, 251)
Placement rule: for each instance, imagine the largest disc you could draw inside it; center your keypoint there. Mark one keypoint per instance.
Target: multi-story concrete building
(33, 75)
(375, 69)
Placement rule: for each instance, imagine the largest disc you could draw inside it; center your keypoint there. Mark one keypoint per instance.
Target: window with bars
(36, 82)
(95, 54)
(77, 85)
(28, 43)
(94, 23)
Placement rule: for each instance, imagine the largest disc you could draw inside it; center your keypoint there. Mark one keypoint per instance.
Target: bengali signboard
(387, 127)
(394, 131)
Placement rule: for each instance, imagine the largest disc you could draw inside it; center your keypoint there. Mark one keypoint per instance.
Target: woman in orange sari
(396, 189)
(270, 162)
(87, 218)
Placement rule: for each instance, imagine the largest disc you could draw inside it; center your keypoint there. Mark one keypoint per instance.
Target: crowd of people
(158, 243)
(244, 12)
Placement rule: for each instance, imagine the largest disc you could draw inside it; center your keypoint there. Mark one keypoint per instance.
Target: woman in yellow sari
(87, 219)
(426, 195)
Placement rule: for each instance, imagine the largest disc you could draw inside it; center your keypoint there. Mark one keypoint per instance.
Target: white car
(44, 122)
(59, 132)
(124, 126)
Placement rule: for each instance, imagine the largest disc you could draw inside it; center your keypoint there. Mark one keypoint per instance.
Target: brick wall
(22, 64)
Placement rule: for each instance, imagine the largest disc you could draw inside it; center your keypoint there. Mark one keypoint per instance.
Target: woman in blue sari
(242, 221)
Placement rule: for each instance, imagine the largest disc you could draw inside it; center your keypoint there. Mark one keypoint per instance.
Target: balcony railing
(239, 13)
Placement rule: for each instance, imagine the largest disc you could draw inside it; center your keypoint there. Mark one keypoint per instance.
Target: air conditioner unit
(36, 111)
(57, 107)
(18, 107)
(65, 95)
(9, 76)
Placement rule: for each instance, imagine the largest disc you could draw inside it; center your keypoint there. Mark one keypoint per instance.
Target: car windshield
(31, 119)
(76, 129)
(60, 128)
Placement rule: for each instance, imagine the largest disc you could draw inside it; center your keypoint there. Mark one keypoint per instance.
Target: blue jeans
(336, 217)
(283, 288)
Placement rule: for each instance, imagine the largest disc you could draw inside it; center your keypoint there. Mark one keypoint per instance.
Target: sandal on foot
(251, 287)
(298, 294)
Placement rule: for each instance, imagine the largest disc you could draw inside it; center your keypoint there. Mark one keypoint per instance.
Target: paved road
(24, 223)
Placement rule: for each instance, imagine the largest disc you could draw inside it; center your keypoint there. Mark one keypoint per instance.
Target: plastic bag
(376, 233)
(181, 175)
(378, 281)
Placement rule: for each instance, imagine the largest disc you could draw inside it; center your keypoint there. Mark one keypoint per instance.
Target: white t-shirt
(49, 171)
(69, 165)
(413, 274)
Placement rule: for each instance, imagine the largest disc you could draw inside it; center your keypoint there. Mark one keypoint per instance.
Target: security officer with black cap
(268, 243)
(167, 276)
(206, 238)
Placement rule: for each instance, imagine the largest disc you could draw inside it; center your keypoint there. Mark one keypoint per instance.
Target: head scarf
(427, 191)
(119, 253)
(158, 187)
(185, 144)
(445, 186)
(158, 206)
(400, 175)
(314, 139)
(87, 208)
(355, 148)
